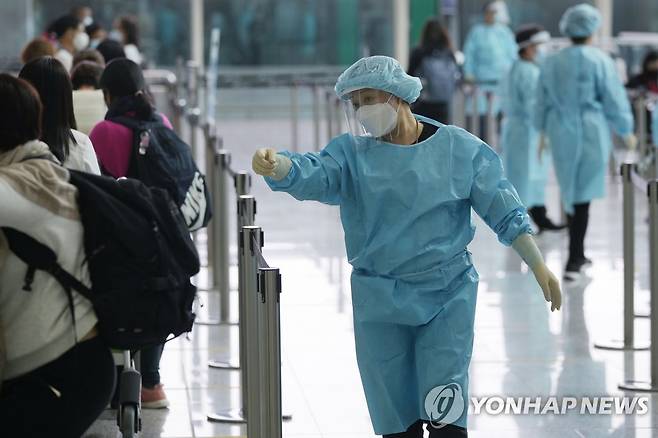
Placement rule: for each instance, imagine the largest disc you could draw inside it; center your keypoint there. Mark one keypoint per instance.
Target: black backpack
(140, 257)
(160, 158)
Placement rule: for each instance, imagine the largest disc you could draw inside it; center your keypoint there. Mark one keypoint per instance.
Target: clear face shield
(372, 114)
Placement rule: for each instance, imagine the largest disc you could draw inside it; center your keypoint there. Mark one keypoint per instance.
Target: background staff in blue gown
(524, 168)
(489, 51)
(580, 98)
(406, 186)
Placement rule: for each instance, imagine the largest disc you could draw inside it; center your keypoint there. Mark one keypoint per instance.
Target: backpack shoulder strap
(38, 256)
(135, 124)
(128, 122)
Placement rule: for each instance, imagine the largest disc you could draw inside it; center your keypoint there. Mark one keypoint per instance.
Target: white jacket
(89, 108)
(37, 199)
(82, 155)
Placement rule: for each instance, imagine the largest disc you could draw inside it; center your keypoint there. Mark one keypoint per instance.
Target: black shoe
(550, 226)
(573, 271)
(538, 215)
(586, 261)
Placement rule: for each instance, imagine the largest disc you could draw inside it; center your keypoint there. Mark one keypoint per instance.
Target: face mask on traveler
(81, 41)
(378, 119)
(88, 20)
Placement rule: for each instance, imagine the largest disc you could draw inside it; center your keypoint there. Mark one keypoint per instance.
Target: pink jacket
(113, 144)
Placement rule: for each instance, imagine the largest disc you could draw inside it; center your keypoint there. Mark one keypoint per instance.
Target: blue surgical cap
(381, 73)
(580, 21)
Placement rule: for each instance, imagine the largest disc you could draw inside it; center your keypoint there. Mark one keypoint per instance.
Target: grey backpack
(439, 74)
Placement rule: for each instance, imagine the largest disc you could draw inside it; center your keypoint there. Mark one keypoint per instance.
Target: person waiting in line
(97, 34)
(37, 48)
(126, 31)
(405, 190)
(71, 147)
(433, 61)
(91, 55)
(111, 50)
(527, 172)
(57, 374)
(489, 51)
(125, 93)
(580, 97)
(70, 37)
(647, 81)
(88, 102)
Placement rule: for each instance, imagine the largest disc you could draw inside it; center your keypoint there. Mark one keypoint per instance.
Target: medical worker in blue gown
(580, 98)
(489, 51)
(406, 186)
(527, 172)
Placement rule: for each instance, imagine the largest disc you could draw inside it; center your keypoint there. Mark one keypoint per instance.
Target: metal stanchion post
(652, 385)
(294, 116)
(338, 110)
(242, 183)
(210, 134)
(246, 217)
(492, 128)
(220, 241)
(462, 111)
(193, 112)
(316, 117)
(179, 102)
(475, 117)
(269, 287)
(641, 117)
(329, 114)
(251, 243)
(628, 343)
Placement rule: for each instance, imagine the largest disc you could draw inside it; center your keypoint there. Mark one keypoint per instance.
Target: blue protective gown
(489, 51)
(520, 139)
(406, 213)
(580, 97)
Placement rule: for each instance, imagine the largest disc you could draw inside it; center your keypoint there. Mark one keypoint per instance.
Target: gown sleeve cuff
(512, 226)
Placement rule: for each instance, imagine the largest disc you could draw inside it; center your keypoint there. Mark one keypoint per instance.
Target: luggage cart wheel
(129, 421)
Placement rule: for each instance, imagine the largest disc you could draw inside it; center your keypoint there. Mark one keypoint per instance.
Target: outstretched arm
(310, 176)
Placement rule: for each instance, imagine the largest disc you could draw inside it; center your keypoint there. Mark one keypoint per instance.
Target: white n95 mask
(378, 119)
(81, 41)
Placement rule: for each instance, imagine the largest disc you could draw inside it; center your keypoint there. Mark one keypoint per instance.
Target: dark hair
(93, 28)
(111, 50)
(651, 56)
(92, 55)
(524, 34)
(63, 24)
(579, 40)
(128, 24)
(20, 112)
(435, 36)
(123, 81)
(86, 73)
(37, 48)
(52, 82)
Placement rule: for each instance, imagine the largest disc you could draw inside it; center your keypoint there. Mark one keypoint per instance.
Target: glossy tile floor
(521, 349)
